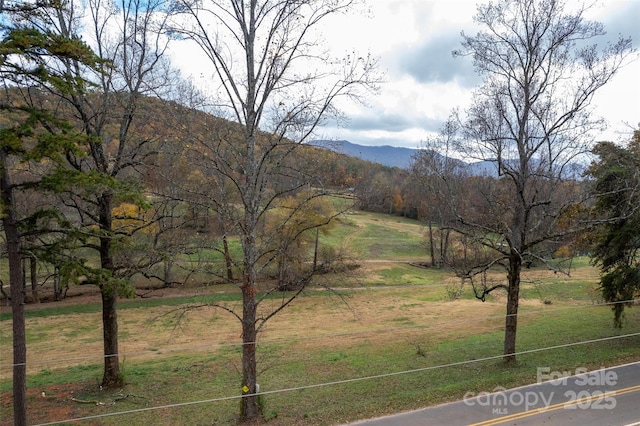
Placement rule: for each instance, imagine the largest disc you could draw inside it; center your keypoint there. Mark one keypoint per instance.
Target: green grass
(420, 360)
(377, 236)
(432, 373)
(402, 274)
(561, 291)
(48, 311)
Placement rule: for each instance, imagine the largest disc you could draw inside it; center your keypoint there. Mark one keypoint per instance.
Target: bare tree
(438, 175)
(276, 83)
(532, 119)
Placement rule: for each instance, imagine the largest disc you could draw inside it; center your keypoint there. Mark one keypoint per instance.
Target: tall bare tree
(274, 79)
(532, 119)
(437, 175)
(129, 35)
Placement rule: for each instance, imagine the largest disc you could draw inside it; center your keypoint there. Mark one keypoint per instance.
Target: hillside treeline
(169, 173)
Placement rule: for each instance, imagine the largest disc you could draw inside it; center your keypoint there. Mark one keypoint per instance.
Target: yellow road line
(558, 406)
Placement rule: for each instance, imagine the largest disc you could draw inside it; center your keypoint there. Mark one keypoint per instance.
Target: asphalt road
(605, 397)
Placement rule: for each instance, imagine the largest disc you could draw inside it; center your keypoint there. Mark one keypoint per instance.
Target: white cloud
(414, 40)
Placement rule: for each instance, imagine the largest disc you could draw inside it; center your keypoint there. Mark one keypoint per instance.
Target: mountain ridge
(387, 155)
(393, 156)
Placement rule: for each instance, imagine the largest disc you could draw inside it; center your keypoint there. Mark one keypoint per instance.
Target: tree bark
(33, 269)
(250, 408)
(444, 247)
(57, 286)
(315, 250)
(17, 297)
(168, 277)
(513, 295)
(431, 248)
(227, 258)
(109, 292)
(111, 377)
(19, 330)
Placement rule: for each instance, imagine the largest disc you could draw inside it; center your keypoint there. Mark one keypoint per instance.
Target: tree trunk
(111, 377)
(17, 297)
(431, 247)
(282, 272)
(23, 265)
(168, 277)
(33, 267)
(227, 258)
(513, 294)
(315, 251)
(57, 290)
(109, 292)
(444, 247)
(19, 330)
(250, 409)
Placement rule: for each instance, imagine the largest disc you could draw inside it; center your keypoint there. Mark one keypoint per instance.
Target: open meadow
(389, 336)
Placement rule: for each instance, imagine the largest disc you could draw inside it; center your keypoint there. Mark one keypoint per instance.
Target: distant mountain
(392, 156)
(483, 168)
(386, 155)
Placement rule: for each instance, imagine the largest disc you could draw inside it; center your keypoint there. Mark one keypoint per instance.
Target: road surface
(604, 397)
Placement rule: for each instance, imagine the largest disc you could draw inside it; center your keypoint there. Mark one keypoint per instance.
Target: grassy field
(388, 339)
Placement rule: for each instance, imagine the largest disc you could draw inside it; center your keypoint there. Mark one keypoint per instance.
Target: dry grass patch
(377, 315)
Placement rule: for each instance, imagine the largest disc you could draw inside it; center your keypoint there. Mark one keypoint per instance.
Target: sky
(413, 40)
